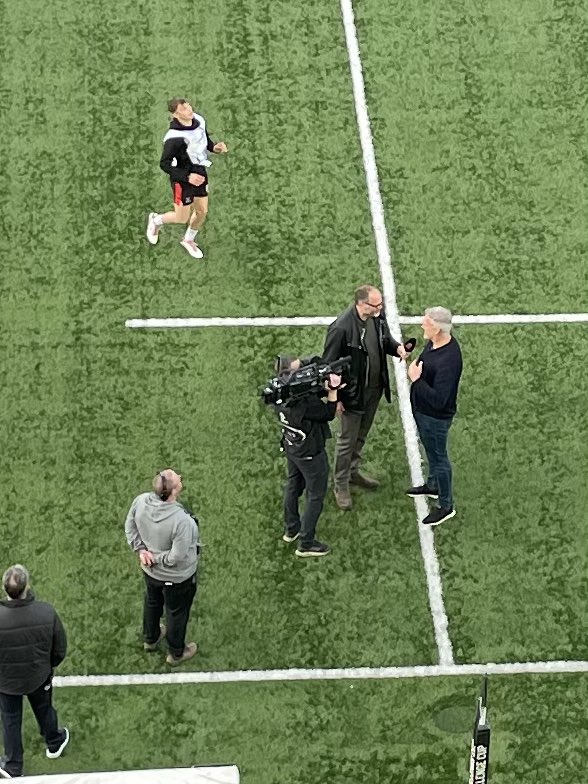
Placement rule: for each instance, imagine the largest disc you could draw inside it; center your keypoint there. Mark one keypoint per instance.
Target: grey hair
(441, 317)
(15, 581)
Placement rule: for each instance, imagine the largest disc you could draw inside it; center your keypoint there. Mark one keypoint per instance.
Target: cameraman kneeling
(304, 421)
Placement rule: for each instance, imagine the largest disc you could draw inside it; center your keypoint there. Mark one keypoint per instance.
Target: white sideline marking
(324, 321)
(389, 293)
(261, 321)
(345, 673)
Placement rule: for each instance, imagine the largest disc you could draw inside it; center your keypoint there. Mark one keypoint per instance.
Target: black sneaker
(290, 537)
(438, 515)
(6, 774)
(314, 550)
(413, 492)
(59, 750)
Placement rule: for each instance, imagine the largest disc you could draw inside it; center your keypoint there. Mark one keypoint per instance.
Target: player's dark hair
(173, 104)
(362, 294)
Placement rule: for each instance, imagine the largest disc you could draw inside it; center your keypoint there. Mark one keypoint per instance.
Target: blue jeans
(433, 434)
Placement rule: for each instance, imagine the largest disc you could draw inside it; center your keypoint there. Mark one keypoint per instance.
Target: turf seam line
(323, 321)
(431, 562)
(343, 673)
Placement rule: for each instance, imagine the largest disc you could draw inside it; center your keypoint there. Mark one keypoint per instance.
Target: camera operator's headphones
(165, 490)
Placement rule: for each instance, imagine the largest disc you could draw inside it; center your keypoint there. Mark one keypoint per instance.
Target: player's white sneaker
(192, 249)
(152, 229)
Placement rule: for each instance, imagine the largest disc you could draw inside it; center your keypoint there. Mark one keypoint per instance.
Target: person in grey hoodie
(165, 536)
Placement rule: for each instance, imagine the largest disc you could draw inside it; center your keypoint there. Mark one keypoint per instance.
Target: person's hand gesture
(415, 370)
(146, 558)
(220, 147)
(196, 179)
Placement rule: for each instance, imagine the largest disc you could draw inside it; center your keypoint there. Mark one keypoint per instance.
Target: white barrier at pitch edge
(219, 774)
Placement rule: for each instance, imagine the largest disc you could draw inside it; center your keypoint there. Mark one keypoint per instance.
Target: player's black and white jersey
(185, 149)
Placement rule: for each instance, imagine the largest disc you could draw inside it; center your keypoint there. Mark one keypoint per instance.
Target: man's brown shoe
(189, 651)
(343, 499)
(152, 646)
(361, 480)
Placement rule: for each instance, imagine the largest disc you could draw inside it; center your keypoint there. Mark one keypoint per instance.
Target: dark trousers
(46, 715)
(177, 600)
(355, 427)
(433, 434)
(312, 475)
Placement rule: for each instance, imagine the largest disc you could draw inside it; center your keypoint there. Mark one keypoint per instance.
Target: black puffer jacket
(344, 339)
(32, 643)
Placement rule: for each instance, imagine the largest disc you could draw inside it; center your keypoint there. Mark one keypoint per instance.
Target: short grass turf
(287, 202)
(91, 440)
(398, 732)
(514, 560)
(479, 119)
(479, 126)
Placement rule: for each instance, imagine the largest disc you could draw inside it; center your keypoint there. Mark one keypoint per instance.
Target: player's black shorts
(184, 193)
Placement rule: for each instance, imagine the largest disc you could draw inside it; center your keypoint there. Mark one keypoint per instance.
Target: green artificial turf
(259, 606)
(514, 565)
(396, 732)
(479, 119)
(478, 116)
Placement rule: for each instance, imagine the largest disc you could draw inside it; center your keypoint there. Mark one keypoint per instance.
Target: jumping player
(185, 158)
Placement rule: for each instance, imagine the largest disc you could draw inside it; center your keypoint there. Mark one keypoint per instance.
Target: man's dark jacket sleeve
(390, 345)
(59, 646)
(171, 149)
(318, 411)
(335, 344)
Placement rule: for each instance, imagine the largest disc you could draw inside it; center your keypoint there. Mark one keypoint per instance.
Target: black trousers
(310, 474)
(177, 600)
(11, 709)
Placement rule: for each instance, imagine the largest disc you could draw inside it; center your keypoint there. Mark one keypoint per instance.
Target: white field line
(389, 294)
(323, 321)
(346, 673)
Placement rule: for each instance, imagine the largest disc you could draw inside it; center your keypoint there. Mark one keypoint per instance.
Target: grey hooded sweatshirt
(166, 530)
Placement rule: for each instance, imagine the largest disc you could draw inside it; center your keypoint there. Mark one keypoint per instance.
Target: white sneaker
(192, 249)
(58, 753)
(152, 229)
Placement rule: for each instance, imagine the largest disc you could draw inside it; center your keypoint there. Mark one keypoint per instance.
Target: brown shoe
(189, 651)
(343, 499)
(152, 646)
(361, 480)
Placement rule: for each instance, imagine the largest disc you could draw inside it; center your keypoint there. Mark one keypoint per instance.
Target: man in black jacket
(305, 428)
(185, 159)
(32, 643)
(362, 333)
(433, 395)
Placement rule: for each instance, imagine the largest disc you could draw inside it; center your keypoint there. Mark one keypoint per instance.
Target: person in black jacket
(362, 333)
(305, 428)
(32, 644)
(185, 159)
(433, 395)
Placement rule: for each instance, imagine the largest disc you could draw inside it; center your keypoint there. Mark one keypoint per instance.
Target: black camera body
(309, 379)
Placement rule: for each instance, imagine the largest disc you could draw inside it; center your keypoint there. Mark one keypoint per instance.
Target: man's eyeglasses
(376, 305)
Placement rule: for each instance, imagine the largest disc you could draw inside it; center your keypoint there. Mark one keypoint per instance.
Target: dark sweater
(435, 392)
(32, 643)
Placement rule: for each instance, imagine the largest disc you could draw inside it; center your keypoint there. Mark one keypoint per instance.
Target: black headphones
(165, 492)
